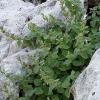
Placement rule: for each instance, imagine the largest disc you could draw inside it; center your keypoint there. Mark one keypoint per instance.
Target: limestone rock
(12, 58)
(16, 14)
(36, 2)
(87, 85)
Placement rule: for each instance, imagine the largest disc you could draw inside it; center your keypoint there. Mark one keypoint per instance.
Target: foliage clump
(67, 46)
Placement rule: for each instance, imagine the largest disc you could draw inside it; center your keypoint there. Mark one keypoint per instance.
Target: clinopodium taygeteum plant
(67, 46)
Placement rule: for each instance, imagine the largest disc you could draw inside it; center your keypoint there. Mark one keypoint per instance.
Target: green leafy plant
(94, 28)
(67, 46)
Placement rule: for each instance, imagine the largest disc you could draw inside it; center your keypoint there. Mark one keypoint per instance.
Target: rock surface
(16, 14)
(36, 2)
(87, 85)
(12, 57)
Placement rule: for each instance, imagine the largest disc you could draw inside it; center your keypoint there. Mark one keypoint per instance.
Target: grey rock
(87, 85)
(16, 14)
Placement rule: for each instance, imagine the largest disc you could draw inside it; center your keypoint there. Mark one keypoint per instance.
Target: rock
(36, 2)
(7, 46)
(12, 58)
(16, 14)
(48, 8)
(13, 15)
(12, 63)
(8, 90)
(87, 85)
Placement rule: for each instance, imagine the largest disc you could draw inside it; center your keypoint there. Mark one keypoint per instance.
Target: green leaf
(29, 93)
(38, 91)
(37, 82)
(55, 97)
(66, 83)
(73, 75)
(23, 98)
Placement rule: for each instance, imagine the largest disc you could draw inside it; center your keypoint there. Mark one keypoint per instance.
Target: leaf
(52, 85)
(84, 54)
(67, 93)
(97, 45)
(36, 69)
(78, 63)
(22, 98)
(38, 91)
(55, 97)
(66, 83)
(29, 93)
(73, 75)
(37, 82)
(60, 90)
